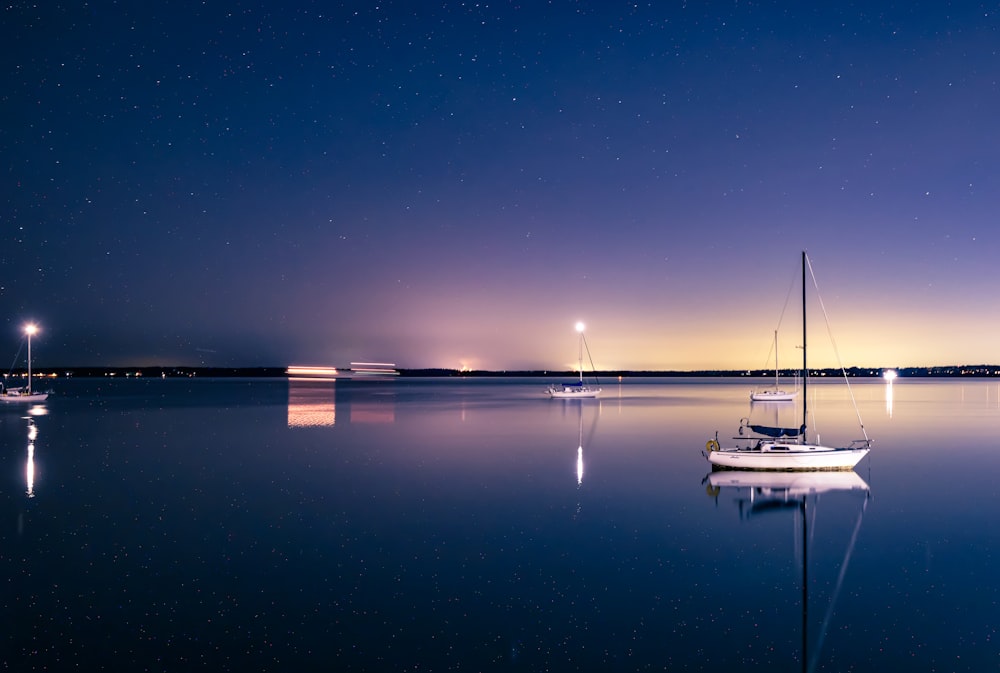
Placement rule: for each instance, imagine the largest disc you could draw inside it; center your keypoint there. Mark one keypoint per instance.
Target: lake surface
(441, 524)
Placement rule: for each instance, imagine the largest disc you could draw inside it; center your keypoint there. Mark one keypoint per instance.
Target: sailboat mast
(581, 357)
(29, 330)
(775, 359)
(805, 366)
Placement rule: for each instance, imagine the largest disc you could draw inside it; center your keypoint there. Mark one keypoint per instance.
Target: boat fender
(712, 445)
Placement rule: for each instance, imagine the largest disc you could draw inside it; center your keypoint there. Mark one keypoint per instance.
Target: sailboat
(575, 389)
(24, 394)
(762, 492)
(775, 394)
(782, 448)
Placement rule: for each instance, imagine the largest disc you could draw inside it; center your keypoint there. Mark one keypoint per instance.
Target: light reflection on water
(259, 524)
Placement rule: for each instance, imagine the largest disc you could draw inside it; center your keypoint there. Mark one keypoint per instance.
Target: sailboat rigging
(23, 394)
(576, 389)
(786, 448)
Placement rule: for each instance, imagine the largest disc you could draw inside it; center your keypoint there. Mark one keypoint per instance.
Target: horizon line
(856, 370)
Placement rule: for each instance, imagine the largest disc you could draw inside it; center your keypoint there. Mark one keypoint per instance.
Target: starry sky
(456, 184)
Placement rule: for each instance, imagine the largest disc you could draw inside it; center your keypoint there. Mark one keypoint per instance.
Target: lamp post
(30, 329)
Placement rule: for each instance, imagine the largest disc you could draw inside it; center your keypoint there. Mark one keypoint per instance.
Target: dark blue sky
(456, 184)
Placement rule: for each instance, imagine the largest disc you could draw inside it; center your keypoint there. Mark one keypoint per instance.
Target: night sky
(457, 184)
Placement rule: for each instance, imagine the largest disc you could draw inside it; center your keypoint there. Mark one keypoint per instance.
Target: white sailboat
(761, 447)
(575, 389)
(24, 394)
(775, 394)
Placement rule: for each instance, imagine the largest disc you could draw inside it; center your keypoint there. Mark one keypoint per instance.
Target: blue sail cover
(769, 431)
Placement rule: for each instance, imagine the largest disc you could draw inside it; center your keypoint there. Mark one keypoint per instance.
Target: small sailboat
(24, 394)
(761, 447)
(576, 389)
(775, 394)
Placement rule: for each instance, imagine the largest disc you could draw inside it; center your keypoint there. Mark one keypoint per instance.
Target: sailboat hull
(12, 396)
(572, 393)
(786, 457)
(772, 396)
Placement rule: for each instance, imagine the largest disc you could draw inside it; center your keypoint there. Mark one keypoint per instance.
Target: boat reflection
(758, 493)
(580, 442)
(759, 488)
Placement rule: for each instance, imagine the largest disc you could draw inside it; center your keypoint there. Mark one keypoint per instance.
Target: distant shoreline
(952, 371)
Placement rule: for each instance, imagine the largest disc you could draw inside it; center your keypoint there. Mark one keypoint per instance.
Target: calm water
(475, 525)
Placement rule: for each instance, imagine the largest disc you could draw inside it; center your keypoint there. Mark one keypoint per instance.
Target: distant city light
(373, 369)
(297, 370)
(889, 375)
(356, 370)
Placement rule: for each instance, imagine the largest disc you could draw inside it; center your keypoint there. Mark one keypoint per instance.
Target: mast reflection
(29, 470)
(580, 442)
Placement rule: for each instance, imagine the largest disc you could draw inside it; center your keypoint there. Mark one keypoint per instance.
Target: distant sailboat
(782, 448)
(24, 394)
(575, 389)
(775, 394)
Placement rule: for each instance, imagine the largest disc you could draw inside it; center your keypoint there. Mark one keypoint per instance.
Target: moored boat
(762, 447)
(576, 389)
(25, 393)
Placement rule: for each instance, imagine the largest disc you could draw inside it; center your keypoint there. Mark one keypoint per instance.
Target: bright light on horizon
(305, 370)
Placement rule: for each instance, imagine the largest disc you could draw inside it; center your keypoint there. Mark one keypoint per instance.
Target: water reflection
(760, 493)
(590, 436)
(29, 469)
(774, 414)
(379, 408)
(311, 403)
(315, 402)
